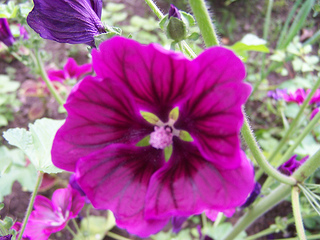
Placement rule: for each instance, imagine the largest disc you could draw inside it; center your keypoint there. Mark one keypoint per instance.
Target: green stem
(116, 236)
(204, 22)
(293, 126)
(297, 213)
(311, 237)
(31, 202)
(154, 8)
(308, 168)
(45, 78)
(220, 219)
(76, 225)
(188, 50)
(71, 231)
(260, 208)
(204, 223)
(261, 234)
(259, 157)
(265, 37)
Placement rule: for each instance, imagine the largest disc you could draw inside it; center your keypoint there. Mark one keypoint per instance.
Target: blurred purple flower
(23, 32)
(298, 96)
(70, 71)
(174, 12)
(291, 165)
(7, 237)
(277, 94)
(67, 21)
(314, 113)
(253, 195)
(5, 34)
(316, 96)
(177, 223)
(104, 124)
(52, 216)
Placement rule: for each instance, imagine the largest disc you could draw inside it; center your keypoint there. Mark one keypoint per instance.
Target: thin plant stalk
(46, 79)
(71, 231)
(154, 8)
(204, 22)
(259, 157)
(297, 213)
(265, 37)
(116, 236)
(31, 203)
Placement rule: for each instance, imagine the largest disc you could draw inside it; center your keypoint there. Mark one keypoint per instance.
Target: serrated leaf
(13, 168)
(37, 142)
(95, 227)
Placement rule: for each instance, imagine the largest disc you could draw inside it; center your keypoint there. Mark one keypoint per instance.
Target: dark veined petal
(96, 6)
(66, 21)
(99, 113)
(5, 33)
(188, 184)
(158, 79)
(117, 178)
(213, 114)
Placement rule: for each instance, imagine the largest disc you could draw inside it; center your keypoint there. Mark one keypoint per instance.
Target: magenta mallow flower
(291, 165)
(298, 96)
(314, 113)
(5, 33)
(67, 21)
(143, 188)
(52, 216)
(71, 71)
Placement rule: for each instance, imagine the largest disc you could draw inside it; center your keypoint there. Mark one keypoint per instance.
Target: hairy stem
(297, 213)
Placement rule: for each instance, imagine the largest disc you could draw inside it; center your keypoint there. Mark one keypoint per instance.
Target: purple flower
(174, 12)
(7, 237)
(298, 96)
(70, 71)
(177, 223)
(52, 216)
(67, 21)
(316, 97)
(277, 94)
(104, 124)
(253, 195)
(5, 34)
(291, 165)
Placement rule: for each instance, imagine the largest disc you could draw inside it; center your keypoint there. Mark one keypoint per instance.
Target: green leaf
(185, 136)
(144, 142)
(221, 231)
(13, 167)
(115, 7)
(95, 227)
(37, 142)
(149, 117)
(168, 152)
(174, 114)
(189, 18)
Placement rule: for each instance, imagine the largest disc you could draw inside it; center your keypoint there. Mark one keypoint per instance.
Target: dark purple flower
(67, 21)
(7, 237)
(70, 71)
(177, 223)
(52, 216)
(5, 34)
(316, 97)
(174, 12)
(291, 165)
(104, 124)
(253, 195)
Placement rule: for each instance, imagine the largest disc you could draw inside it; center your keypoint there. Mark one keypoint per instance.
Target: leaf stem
(297, 213)
(116, 236)
(204, 22)
(259, 157)
(154, 8)
(45, 78)
(31, 202)
(71, 231)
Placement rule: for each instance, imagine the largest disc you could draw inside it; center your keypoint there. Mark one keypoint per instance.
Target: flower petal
(188, 184)
(5, 33)
(213, 114)
(65, 21)
(62, 199)
(99, 114)
(117, 178)
(96, 6)
(158, 79)
(76, 71)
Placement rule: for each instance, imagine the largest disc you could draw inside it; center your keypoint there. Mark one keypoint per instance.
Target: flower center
(161, 137)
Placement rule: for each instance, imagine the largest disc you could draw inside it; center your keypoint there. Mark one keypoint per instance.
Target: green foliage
(37, 142)
(95, 227)
(221, 231)
(8, 100)
(14, 167)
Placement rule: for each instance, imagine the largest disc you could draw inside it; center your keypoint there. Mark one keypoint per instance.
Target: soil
(249, 18)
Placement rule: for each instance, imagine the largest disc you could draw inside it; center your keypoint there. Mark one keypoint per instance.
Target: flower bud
(176, 25)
